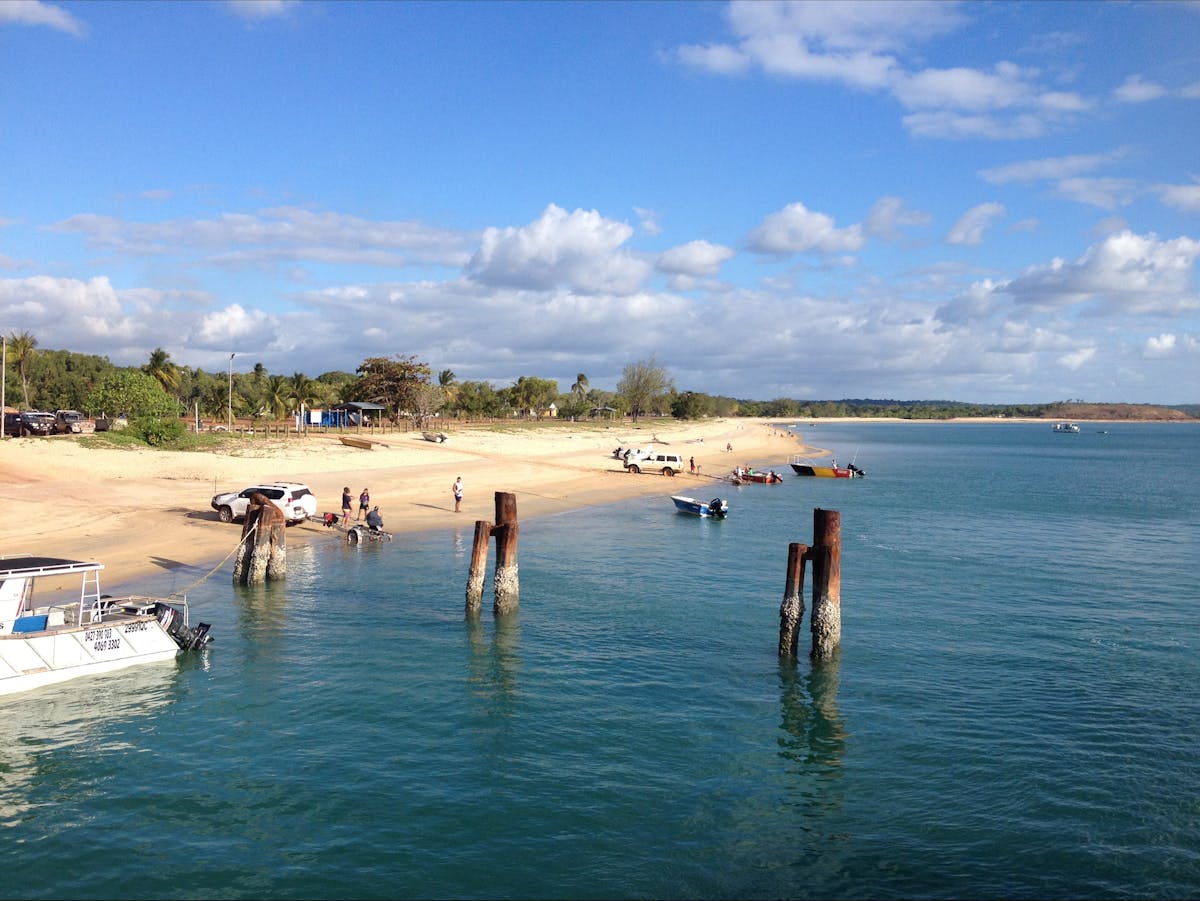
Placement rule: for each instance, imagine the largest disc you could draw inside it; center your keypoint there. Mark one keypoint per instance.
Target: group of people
(372, 516)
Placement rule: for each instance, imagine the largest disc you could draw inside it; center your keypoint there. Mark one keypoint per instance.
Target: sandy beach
(140, 511)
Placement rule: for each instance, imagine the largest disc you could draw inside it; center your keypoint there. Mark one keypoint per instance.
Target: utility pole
(231, 356)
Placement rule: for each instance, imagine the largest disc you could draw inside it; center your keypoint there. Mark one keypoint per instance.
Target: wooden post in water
(479, 555)
(507, 584)
(791, 611)
(827, 583)
(262, 553)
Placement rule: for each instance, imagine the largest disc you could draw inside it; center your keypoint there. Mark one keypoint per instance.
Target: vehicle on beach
(68, 422)
(653, 461)
(296, 501)
(81, 632)
(716, 508)
(28, 423)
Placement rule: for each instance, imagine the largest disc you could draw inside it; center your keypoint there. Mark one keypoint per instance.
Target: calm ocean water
(1013, 713)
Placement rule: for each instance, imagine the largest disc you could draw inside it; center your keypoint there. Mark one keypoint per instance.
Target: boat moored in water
(805, 467)
(46, 643)
(746, 474)
(1068, 427)
(716, 508)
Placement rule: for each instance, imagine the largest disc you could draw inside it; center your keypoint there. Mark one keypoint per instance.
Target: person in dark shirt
(375, 520)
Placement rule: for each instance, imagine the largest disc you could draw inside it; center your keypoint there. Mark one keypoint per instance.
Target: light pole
(231, 356)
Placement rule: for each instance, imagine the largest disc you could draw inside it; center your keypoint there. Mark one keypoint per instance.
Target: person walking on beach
(457, 488)
(347, 503)
(692, 464)
(364, 504)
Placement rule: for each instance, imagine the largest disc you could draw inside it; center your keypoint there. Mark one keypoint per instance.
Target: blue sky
(990, 202)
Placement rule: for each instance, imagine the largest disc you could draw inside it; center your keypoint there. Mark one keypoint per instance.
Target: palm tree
(279, 394)
(447, 381)
(23, 347)
(163, 370)
(304, 389)
(581, 385)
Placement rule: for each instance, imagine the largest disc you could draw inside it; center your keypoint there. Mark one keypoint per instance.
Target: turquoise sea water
(1013, 712)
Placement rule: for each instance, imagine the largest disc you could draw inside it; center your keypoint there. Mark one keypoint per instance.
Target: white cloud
(1159, 346)
(36, 12)
(974, 222)
(1105, 193)
(233, 326)
(257, 10)
(889, 214)
(1136, 89)
(696, 258)
(796, 229)
(1181, 197)
(1077, 358)
(648, 219)
(1050, 168)
(1130, 274)
(582, 250)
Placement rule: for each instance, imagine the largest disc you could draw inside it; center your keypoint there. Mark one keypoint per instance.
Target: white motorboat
(50, 640)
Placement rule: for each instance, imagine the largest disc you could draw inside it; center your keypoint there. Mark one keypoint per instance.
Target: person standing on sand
(364, 504)
(347, 503)
(692, 464)
(457, 488)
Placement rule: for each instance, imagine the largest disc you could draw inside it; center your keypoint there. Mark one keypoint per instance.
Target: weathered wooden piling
(479, 555)
(791, 611)
(262, 553)
(827, 583)
(507, 584)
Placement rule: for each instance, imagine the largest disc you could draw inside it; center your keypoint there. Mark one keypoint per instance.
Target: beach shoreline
(142, 511)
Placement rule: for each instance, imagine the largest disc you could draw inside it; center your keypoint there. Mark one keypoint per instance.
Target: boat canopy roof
(29, 566)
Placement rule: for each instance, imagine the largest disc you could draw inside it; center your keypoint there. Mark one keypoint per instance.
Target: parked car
(654, 461)
(68, 422)
(296, 501)
(30, 422)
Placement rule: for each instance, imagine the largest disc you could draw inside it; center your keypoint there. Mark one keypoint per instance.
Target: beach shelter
(353, 413)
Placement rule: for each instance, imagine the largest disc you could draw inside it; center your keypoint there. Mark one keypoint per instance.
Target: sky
(982, 202)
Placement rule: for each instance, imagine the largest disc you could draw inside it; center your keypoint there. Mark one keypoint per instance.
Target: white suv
(296, 501)
(654, 461)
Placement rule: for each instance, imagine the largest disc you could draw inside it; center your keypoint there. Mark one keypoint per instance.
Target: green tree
(22, 347)
(533, 395)
(392, 382)
(644, 384)
(133, 392)
(278, 396)
(163, 370)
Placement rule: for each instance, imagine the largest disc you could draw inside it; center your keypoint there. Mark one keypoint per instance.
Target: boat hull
(714, 509)
(824, 472)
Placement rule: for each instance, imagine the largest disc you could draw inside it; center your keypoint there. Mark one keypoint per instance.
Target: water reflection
(42, 732)
(813, 731)
(494, 664)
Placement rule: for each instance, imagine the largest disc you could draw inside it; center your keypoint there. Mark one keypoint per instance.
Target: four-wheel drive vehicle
(654, 461)
(28, 423)
(67, 422)
(296, 501)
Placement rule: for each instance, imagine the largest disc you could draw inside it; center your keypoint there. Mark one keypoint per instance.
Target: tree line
(39, 379)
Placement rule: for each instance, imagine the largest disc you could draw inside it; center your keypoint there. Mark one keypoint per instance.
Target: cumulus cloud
(1159, 346)
(35, 12)
(1131, 274)
(974, 222)
(796, 229)
(696, 258)
(582, 250)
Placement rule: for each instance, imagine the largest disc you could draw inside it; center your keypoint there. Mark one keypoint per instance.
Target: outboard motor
(188, 638)
(716, 507)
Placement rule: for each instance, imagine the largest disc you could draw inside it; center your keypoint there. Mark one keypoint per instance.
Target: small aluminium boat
(751, 475)
(435, 437)
(803, 467)
(43, 642)
(716, 508)
(1069, 427)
